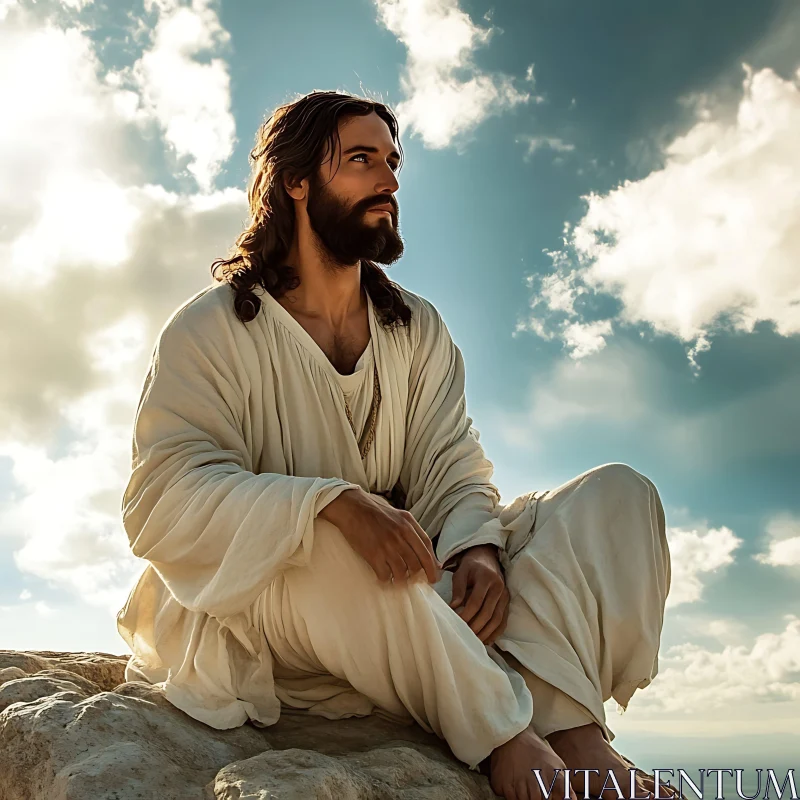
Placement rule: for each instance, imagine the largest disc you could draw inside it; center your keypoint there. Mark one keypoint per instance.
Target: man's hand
(479, 578)
(389, 539)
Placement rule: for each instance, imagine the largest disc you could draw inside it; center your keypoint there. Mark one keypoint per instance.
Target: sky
(601, 199)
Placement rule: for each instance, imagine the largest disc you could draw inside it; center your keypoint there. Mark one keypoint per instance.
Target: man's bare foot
(512, 767)
(585, 747)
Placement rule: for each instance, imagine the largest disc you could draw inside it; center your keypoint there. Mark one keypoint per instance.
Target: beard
(344, 231)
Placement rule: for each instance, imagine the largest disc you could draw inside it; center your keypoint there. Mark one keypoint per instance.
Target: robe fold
(240, 439)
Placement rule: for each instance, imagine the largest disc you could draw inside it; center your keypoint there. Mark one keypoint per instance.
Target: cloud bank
(95, 253)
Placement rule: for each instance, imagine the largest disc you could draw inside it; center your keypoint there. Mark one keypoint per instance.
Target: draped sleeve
(446, 474)
(216, 531)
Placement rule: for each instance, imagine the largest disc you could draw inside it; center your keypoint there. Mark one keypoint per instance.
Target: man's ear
(295, 188)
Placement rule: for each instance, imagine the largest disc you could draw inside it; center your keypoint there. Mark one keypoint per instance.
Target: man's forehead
(369, 131)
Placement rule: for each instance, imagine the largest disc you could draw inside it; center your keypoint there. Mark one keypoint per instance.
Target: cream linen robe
(241, 439)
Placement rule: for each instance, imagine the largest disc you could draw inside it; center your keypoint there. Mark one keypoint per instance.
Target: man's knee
(335, 565)
(622, 487)
(623, 480)
(332, 552)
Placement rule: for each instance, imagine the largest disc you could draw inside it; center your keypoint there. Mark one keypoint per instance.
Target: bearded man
(318, 514)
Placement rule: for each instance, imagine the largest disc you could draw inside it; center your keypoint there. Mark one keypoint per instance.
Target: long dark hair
(291, 142)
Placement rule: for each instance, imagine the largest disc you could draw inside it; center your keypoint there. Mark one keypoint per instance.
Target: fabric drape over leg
(345, 644)
(588, 570)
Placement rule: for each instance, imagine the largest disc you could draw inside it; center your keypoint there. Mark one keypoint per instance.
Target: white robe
(241, 439)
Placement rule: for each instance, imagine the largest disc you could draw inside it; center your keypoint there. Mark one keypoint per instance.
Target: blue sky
(600, 198)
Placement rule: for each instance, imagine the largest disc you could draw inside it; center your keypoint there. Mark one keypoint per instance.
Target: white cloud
(84, 218)
(44, 609)
(693, 554)
(5, 7)
(94, 255)
(783, 550)
(66, 421)
(585, 338)
(723, 630)
(189, 98)
(710, 241)
(67, 513)
(534, 143)
(440, 39)
(49, 77)
(73, 180)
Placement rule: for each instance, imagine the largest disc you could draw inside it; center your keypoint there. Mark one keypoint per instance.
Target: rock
(71, 728)
(44, 684)
(105, 670)
(395, 770)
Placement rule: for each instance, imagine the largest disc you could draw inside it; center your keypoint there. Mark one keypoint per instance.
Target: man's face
(341, 196)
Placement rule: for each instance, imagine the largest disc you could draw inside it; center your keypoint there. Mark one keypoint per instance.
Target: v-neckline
(310, 344)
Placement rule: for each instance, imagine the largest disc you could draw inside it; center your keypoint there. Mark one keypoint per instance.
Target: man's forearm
(334, 510)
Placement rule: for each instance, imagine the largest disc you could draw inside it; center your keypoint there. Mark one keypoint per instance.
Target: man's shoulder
(427, 322)
(422, 309)
(206, 310)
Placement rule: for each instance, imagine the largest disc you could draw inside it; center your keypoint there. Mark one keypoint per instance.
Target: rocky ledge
(71, 728)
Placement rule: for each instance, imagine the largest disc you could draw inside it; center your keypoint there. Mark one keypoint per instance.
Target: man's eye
(364, 155)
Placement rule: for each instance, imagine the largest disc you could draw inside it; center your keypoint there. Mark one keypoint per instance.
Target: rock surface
(71, 728)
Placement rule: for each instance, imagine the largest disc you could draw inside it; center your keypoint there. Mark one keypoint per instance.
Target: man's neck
(336, 321)
(330, 295)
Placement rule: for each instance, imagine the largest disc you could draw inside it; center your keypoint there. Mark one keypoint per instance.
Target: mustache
(381, 202)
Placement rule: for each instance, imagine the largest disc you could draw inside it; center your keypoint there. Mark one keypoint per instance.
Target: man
(300, 443)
